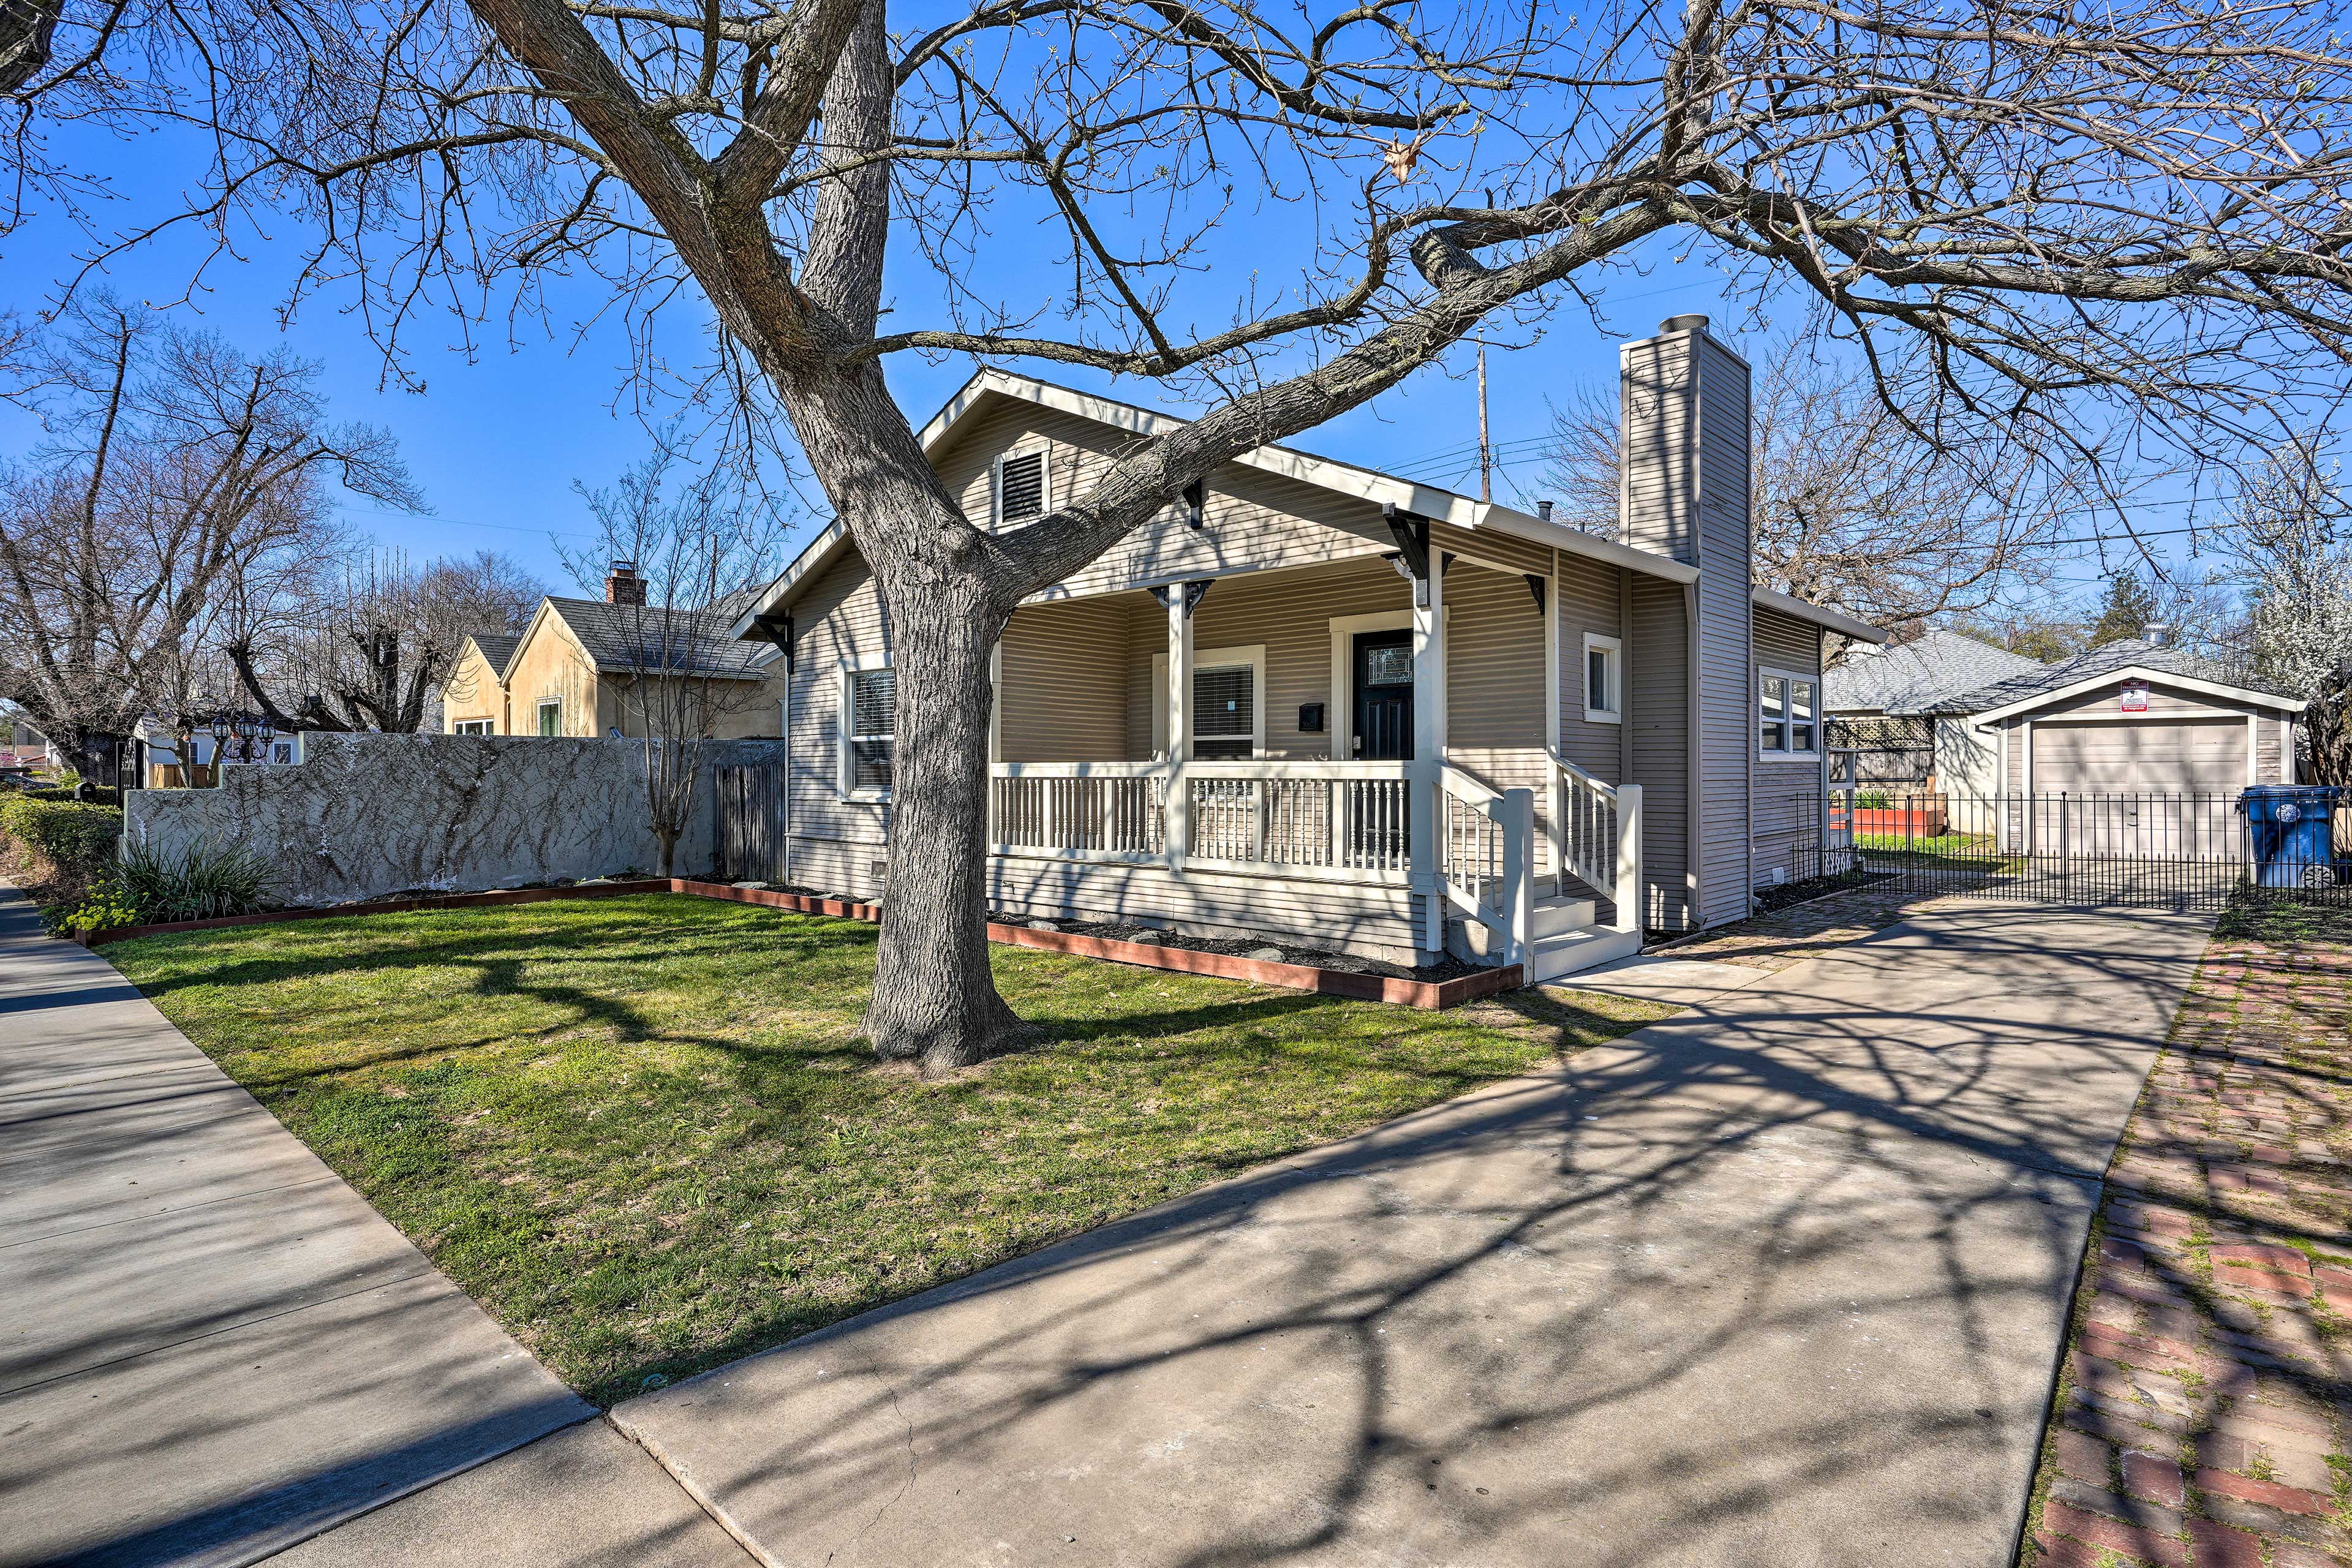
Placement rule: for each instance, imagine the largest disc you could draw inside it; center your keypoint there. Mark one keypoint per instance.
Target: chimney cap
(624, 568)
(1543, 510)
(1691, 323)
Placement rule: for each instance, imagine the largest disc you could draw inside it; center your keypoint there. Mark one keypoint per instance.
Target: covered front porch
(1362, 754)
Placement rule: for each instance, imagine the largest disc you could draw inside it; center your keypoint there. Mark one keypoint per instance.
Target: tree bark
(935, 1000)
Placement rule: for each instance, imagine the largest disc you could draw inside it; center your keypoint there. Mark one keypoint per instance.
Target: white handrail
(1486, 868)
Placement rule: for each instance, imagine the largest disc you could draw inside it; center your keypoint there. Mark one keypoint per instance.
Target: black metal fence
(2178, 851)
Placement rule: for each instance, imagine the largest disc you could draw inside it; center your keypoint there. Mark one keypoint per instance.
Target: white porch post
(1428, 744)
(1632, 897)
(1177, 813)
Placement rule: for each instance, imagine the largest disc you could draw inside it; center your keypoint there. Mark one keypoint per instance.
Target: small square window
(1604, 680)
(1788, 719)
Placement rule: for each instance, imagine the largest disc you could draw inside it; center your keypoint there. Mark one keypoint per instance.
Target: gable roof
(2130, 658)
(497, 649)
(1918, 675)
(1326, 473)
(620, 639)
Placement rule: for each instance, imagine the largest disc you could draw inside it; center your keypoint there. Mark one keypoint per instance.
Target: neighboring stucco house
(1900, 699)
(571, 670)
(1318, 703)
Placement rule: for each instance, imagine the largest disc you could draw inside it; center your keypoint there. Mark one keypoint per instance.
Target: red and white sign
(2135, 697)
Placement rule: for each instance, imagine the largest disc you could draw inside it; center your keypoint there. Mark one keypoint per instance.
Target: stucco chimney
(624, 586)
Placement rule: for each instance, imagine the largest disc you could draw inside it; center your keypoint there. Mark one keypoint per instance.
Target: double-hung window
(1604, 680)
(1225, 713)
(1787, 713)
(869, 714)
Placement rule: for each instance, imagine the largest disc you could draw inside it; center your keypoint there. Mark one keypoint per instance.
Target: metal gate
(752, 823)
(2168, 851)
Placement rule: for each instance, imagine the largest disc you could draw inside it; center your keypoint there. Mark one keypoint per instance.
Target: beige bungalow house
(570, 671)
(1327, 705)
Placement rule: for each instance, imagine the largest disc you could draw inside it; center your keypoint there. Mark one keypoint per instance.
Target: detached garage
(2134, 749)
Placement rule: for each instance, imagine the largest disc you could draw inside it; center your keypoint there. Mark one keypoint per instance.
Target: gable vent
(1021, 487)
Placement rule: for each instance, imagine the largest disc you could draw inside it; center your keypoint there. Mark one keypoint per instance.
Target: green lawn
(643, 1133)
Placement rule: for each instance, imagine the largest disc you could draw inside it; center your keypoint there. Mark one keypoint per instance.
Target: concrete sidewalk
(1782, 1280)
(210, 1346)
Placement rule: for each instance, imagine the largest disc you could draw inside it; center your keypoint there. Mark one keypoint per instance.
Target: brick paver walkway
(1790, 936)
(2205, 1416)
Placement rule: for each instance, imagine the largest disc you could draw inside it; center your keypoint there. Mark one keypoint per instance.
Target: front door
(1382, 729)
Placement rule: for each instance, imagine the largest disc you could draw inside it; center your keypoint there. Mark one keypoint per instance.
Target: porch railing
(1485, 856)
(1301, 818)
(1597, 834)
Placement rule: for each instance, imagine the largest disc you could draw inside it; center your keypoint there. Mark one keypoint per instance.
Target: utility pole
(1486, 452)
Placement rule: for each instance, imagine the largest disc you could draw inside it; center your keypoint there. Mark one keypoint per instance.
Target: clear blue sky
(499, 433)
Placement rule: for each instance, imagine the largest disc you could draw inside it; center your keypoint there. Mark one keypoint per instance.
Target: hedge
(75, 838)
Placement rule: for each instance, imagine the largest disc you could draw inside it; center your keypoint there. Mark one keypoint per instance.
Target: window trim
(1788, 720)
(1615, 648)
(844, 778)
(1044, 452)
(472, 727)
(539, 718)
(1252, 655)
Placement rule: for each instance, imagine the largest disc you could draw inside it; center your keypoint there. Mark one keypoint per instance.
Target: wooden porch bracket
(1410, 532)
(1536, 586)
(1195, 590)
(1196, 504)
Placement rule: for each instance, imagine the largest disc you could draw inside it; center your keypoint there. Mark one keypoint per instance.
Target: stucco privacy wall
(367, 815)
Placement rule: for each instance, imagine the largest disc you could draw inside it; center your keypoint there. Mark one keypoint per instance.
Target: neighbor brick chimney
(624, 586)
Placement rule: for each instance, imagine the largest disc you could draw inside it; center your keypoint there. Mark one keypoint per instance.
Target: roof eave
(2154, 677)
(1820, 615)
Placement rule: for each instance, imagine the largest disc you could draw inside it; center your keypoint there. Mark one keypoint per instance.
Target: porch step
(1565, 953)
(1554, 916)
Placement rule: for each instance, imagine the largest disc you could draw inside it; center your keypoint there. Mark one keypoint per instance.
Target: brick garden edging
(1428, 994)
(2207, 1421)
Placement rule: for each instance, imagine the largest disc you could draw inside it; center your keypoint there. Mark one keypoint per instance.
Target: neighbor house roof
(1918, 675)
(623, 639)
(2130, 658)
(1345, 479)
(497, 648)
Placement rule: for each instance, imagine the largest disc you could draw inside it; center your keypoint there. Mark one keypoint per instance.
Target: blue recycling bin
(2293, 843)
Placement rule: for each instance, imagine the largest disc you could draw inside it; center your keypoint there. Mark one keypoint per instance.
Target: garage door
(2152, 789)
(2150, 756)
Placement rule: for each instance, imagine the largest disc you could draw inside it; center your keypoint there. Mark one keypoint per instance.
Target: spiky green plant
(204, 881)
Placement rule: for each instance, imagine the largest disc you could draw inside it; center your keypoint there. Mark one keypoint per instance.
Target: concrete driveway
(1782, 1280)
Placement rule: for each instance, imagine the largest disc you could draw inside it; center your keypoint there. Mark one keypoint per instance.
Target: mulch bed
(2206, 1404)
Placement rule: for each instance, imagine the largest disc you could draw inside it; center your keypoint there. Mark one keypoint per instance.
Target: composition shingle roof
(701, 644)
(2102, 660)
(497, 646)
(1917, 676)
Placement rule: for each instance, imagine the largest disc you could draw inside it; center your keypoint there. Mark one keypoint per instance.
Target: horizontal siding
(1784, 642)
(1659, 676)
(2268, 750)
(2108, 699)
(1370, 920)
(1290, 613)
(1727, 677)
(1063, 675)
(1506, 552)
(1589, 600)
(838, 619)
(1494, 688)
(1658, 415)
(1254, 519)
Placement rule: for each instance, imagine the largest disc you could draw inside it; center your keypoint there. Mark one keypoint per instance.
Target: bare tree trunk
(935, 999)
